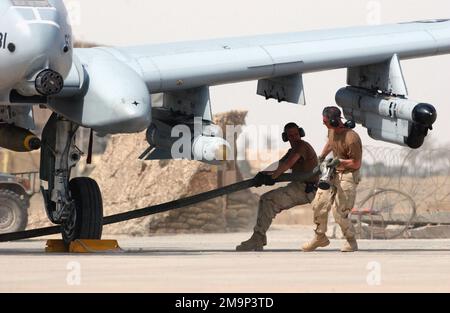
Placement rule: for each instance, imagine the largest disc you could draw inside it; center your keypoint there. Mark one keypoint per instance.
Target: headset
(350, 124)
(301, 131)
(335, 121)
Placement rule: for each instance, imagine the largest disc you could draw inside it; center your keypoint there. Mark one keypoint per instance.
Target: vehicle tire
(86, 220)
(13, 212)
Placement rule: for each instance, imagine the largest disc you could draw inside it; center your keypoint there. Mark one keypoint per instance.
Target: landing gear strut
(74, 204)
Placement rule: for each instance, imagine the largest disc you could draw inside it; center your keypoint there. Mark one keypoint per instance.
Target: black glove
(269, 181)
(333, 162)
(259, 179)
(263, 179)
(310, 187)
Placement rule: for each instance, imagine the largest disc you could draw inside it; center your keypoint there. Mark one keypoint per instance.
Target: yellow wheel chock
(83, 246)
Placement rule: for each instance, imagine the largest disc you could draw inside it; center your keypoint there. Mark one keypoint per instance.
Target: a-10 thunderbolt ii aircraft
(109, 90)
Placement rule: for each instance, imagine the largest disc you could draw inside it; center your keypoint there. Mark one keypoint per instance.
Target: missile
(354, 99)
(18, 139)
(391, 119)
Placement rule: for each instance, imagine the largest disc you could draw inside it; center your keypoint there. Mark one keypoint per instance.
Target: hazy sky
(131, 22)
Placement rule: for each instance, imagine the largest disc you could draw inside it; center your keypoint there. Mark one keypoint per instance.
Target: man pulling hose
(301, 158)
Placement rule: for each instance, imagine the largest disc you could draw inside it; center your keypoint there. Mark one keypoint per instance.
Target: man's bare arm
(326, 150)
(284, 166)
(267, 171)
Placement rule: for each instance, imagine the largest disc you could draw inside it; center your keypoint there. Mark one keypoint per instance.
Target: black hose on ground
(158, 208)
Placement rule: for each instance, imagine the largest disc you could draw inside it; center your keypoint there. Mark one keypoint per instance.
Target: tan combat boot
(350, 245)
(256, 243)
(320, 240)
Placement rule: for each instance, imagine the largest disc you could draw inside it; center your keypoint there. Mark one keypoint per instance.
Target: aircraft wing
(376, 95)
(169, 67)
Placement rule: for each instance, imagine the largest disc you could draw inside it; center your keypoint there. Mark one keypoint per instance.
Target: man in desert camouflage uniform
(340, 198)
(301, 158)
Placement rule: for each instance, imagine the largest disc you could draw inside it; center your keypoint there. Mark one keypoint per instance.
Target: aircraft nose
(39, 39)
(45, 36)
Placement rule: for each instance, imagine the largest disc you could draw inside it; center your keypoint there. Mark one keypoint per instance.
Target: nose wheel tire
(86, 218)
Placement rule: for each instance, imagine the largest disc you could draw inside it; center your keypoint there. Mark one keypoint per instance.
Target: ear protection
(348, 124)
(284, 135)
(334, 116)
(334, 122)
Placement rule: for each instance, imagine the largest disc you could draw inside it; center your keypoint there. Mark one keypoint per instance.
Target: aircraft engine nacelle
(391, 119)
(104, 94)
(183, 142)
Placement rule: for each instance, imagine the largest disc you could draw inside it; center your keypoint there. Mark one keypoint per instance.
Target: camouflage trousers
(273, 202)
(340, 198)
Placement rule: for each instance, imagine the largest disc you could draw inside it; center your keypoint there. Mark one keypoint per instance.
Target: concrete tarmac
(208, 263)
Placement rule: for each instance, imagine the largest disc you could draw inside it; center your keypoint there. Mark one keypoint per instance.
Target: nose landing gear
(75, 204)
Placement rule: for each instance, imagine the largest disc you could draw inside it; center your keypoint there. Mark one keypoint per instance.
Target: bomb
(18, 139)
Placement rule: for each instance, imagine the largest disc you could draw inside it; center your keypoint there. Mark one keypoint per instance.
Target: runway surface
(208, 263)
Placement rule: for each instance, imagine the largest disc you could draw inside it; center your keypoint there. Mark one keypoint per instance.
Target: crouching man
(301, 158)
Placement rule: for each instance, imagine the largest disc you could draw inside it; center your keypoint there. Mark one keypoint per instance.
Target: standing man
(301, 158)
(347, 150)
